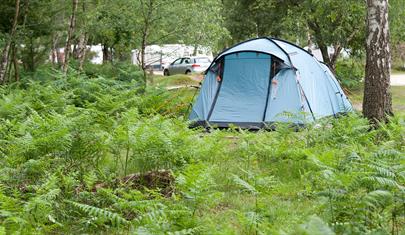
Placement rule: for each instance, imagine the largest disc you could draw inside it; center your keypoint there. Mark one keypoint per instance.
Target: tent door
(243, 93)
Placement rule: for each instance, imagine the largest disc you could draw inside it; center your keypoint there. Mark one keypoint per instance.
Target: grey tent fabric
(266, 80)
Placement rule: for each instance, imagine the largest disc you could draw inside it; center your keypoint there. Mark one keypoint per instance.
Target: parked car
(187, 65)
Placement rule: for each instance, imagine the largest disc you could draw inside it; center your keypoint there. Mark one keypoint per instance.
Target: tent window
(277, 65)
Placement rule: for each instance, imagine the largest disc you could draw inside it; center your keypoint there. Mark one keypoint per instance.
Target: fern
(245, 185)
(187, 231)
(315, 226)
(115, 218)
(377, 199)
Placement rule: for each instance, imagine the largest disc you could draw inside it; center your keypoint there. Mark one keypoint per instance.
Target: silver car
(187, 65)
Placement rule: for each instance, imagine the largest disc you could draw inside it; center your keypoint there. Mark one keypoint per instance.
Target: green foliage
(115, 218)
(350, 73)
(156, 143)
(67, 143)
(120, 71)
(315, 226)
(336, 23)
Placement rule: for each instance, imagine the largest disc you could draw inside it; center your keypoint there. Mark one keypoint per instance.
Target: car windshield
(202, 60)
(177, 61)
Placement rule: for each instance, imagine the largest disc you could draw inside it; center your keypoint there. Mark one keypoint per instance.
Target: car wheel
(188, 72)
(166, 72)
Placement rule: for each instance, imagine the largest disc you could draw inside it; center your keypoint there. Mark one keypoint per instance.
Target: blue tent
(263, 81)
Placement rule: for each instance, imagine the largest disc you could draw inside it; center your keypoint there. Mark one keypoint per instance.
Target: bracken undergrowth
(62, 136)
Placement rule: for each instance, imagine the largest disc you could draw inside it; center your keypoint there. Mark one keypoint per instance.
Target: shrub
(119, 71)
(350, 72)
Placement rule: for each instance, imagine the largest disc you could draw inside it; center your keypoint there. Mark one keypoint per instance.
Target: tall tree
(6, 51)
(70, 35)
(80, 52)
(334, 23)
(260, 18)
(397, 31)
(377, 98)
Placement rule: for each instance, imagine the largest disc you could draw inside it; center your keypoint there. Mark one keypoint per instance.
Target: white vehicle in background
(187, 65)
(159, 57)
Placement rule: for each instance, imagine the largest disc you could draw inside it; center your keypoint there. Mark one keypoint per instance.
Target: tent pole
(271, 75)
(306, 99)
(218, 90)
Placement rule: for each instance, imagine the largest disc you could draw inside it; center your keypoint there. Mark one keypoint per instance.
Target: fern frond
(115, 218)
(377, 198)
(187, 231)
(385, 182)
(245, 185)
(152, 217)
(383, 171)
(315, 226)
(384, 153)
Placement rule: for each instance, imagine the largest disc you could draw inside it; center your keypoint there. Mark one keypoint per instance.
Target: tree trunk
(377, 98)
(107, 57)
(4, 63)
(325, 54)
(30, 63)
(143, 50)
(145, 34)
(195, 49)
(309, 42)
(70, 35)
(330, 60)
(60, 57)
(15, 64)
(335, 56)
(55, 55)
(81, 49)
(6, 51)
(323, 47)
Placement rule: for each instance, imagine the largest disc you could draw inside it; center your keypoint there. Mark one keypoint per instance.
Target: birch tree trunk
(83, 38)
(6, 51)
(56, 58)
(377, 98)
(147, 18)
(81, 49)
(70, 35)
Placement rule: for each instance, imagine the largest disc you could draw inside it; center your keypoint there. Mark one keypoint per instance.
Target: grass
(397, 71)
(398, 99)
(174, 80)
